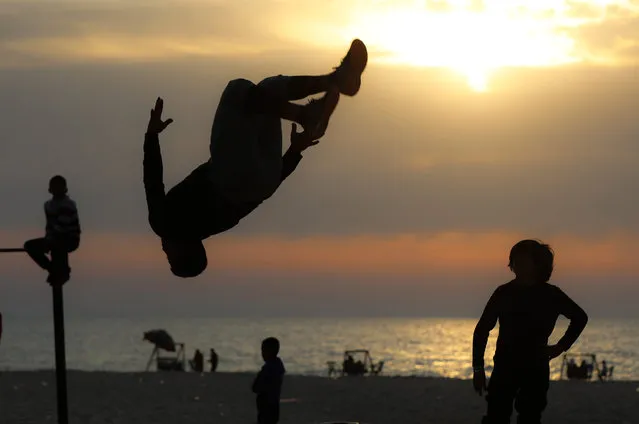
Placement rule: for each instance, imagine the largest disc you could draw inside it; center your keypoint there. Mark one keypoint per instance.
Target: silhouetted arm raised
(154, 182)
(486, 323)
(577, 316)
(153, 169)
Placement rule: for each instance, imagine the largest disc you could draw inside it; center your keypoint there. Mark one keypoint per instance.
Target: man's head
(186, 258)
(270, 348)
(530, 259)
(58, 186)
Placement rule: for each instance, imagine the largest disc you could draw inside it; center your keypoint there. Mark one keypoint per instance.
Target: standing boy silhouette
(527, 309)
(268, 383)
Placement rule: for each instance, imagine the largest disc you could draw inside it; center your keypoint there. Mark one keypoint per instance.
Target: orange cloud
(446, 253)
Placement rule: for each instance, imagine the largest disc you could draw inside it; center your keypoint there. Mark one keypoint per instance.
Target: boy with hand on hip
(527, 309)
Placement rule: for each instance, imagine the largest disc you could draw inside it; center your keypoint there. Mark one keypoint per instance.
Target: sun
(477, 79)
(469, 42)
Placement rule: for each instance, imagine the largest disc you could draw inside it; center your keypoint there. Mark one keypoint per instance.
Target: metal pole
(60, 354)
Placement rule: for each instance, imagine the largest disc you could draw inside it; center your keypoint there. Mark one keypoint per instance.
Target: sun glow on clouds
(473, 38)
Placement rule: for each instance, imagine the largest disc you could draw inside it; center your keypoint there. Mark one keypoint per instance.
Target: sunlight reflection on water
(424, 347)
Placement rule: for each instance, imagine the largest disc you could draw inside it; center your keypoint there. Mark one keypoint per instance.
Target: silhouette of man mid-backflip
(246, 165)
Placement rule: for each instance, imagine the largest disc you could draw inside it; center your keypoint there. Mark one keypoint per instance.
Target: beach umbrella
(161, 339)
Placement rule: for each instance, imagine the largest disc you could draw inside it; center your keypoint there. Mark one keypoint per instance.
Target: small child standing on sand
(268, 383)
(62, 233)
(527, 309)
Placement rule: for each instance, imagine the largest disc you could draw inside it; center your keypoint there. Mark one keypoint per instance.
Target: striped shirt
(62, 218)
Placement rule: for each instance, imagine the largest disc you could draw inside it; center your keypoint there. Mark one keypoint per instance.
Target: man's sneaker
(348, 75)
(318, 112)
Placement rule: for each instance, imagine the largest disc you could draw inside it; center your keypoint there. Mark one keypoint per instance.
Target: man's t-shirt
(193, 209)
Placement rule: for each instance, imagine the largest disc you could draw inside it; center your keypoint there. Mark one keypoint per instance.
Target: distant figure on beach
(527, 309)
(213, 359)
(349, 364)
(246, 166)
(62, 233)
(570, 368)
(583, 369)
(606, 371)
(268, 383)
(198, 361)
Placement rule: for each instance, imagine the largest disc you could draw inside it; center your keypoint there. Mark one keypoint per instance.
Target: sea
(430, 347)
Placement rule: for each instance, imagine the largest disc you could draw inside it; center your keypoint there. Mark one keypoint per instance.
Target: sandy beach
(170, 398)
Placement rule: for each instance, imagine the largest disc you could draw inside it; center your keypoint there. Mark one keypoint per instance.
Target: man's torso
(195, 209)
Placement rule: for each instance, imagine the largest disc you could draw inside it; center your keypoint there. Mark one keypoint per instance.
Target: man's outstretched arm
(153, 169)
(153, 182)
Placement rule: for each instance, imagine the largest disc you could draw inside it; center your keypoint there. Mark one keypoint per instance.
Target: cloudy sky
(478, 124)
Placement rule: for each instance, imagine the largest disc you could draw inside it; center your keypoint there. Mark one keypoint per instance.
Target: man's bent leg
(296, 87)
(261, 100)
(37, 249)
(60, 271)
(346, 77)
(315, 115)
(246, 147)
(59, 261)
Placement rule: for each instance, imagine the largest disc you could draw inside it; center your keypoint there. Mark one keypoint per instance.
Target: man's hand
(156, 125)
(553, 351)
(479, 381)
(302, 140)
